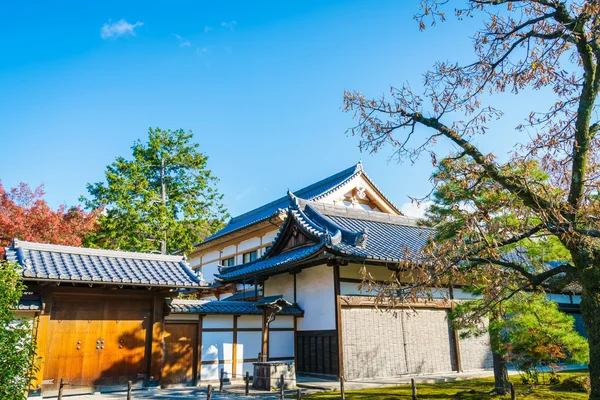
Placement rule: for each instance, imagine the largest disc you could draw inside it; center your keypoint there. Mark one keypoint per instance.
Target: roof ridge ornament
(361, 239)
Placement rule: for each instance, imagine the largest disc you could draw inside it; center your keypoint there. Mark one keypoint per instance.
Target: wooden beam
(42, 337)
(158, 345)
(234, 350)
(199, 351)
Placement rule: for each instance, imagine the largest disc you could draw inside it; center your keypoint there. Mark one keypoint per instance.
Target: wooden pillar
(199, 351)
(265, 335)
(338, 317)
(234, 350)
(41, 332)
(158, 348)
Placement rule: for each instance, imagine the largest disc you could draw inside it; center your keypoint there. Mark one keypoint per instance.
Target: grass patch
(471, 389)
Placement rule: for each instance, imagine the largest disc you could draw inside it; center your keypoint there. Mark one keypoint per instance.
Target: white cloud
(182, 41)
(229, 25)
(415, 210)
(202, 51)
(207, 29)
(113, 30)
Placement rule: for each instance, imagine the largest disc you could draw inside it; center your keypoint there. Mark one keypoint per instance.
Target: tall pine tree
(163, 199)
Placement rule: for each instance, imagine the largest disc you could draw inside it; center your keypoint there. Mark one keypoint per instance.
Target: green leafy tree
(163, 199)
(17, 344)
(535, 333)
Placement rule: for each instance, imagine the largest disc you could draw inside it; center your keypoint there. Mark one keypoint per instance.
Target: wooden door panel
(72, 355)
(180, 353)
(95, 341)
(125, 334)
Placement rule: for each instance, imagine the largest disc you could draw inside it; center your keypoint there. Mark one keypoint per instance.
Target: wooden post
(247, 382)
(299, 394)
(342, 392)
(513, 395)
(221, 379)
(60, 388)
(414, 389)
(157, 345)
(209, 392)
(128, 390)
(282, 387)
(265, 337)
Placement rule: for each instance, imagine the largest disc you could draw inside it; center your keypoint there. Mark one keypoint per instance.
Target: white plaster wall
(280, 284)
(217, 321)
(249, 321)
(281, 344)
(227, 251)
(249, 243)
(209, 271)
(248, 345)
(282, 321)
(316, 296)
(211, 256)
(194, 262)
(216, 346)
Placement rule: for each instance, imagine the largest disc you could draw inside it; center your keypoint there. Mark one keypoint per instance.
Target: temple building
(280, 283)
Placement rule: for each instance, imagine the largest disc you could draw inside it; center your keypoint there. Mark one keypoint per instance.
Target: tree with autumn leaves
(25, 215)
(547, 189)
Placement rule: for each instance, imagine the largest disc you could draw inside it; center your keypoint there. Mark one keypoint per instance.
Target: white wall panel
(280, 284)
(281, 344)
(282, 321)
(249, 344)
(250, 321)
(249, 243)
(217, 321)
(316, 296)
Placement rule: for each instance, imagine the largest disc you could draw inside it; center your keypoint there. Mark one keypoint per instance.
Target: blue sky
(259, 83)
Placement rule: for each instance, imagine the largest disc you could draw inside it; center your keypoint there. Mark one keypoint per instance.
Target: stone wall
(384, 344)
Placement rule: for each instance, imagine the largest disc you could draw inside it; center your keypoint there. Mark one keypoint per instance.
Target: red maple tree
(25, 215)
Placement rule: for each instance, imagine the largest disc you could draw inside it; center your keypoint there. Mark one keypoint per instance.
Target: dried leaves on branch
(524, 220)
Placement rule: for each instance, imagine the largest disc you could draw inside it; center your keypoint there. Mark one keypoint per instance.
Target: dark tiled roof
(268, 264)
(226, 307)
(77, 264)
(312, 192)
(358, 234)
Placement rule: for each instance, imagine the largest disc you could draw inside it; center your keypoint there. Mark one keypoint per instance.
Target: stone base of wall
(267, 375)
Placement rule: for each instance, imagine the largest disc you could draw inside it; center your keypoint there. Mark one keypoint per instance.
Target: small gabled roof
(348, 232)
(48, 262)
(231, 306)
(313, 192)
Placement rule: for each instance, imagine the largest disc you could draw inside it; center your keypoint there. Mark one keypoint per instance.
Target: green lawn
(471, 389)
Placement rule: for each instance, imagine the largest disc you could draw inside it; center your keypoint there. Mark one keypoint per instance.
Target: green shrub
(17, 346)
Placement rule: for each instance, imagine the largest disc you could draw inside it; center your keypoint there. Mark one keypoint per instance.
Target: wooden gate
(96, 341)
(181, 352)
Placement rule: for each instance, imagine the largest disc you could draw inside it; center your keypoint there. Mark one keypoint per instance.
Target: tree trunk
(590, 311)
(163, 198)
(501, 383)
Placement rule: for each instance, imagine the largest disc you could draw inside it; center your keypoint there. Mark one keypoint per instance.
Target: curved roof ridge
(266, 211)
(88, 251)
